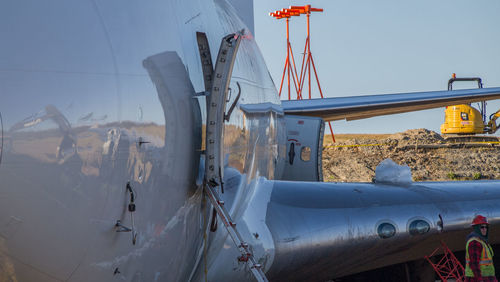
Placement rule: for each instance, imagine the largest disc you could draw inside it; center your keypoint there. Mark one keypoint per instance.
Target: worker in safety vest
(478, 253)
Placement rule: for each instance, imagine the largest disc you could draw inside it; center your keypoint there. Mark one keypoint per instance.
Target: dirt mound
(354, 160)
(416, 136)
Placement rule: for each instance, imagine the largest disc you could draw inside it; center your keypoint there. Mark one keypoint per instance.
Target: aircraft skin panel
(251, 222)
(98, 95)
(327, 230)
(64, 184)
(103, 109)
(244, 9)
(358, 107)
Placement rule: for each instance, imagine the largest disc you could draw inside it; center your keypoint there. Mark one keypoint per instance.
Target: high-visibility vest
(485, 262)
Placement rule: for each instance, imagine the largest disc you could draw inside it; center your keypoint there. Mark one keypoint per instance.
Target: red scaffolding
(448, 267)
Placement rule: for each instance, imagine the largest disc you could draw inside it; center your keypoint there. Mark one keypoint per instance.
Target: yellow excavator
(465, 120)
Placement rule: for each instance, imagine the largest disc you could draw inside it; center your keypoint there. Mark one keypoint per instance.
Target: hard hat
(479, 219)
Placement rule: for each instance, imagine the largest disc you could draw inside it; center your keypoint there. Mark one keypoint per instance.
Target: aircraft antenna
(307, 58)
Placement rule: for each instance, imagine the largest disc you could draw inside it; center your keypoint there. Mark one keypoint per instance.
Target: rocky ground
(355, 159)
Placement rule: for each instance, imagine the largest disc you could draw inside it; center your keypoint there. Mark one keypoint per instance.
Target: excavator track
(469, 138)
(459, 145)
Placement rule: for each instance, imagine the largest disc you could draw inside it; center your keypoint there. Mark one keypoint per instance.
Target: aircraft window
(418, 227)
(386, 230)
(305, 154)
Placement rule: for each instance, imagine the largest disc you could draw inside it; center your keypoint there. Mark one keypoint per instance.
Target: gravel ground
(355, 160)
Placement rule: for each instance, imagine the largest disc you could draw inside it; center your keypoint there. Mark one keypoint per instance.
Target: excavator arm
(492, 124)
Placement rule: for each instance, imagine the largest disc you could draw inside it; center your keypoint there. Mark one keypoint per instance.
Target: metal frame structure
(305, 70)
(214, 143)
(307, 58)
(448, 267)
(216, 106)
(479, 85)
(286, 14)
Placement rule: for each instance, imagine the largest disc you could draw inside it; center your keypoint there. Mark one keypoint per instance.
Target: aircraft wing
(359, 107)
(328, 230)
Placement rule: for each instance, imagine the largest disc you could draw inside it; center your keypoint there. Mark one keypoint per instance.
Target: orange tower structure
(286, 14)
(307, 58)
(305, 71)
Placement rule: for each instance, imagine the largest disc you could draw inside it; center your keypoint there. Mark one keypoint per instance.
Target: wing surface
(359, 107)
(328, 230)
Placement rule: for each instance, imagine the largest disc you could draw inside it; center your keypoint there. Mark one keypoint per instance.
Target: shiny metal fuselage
(326, 230)
(82, 117)
(92, 98)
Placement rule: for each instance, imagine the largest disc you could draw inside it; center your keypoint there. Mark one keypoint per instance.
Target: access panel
(304, 148)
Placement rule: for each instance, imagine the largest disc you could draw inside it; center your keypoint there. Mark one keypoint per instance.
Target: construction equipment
(465, 119)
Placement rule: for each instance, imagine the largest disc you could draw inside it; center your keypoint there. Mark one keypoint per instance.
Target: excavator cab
(464, 119)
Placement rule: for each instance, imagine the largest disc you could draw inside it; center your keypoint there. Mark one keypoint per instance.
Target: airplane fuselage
(105, 108)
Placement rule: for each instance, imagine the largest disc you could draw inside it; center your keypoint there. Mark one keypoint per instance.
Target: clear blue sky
(378, 47)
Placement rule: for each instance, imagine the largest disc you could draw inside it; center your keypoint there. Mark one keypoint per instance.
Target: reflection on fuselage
(85, 118)
(98, 148)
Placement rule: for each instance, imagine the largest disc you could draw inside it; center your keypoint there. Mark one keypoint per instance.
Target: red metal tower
(286, 14)
(448, 267)
(307, 58)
